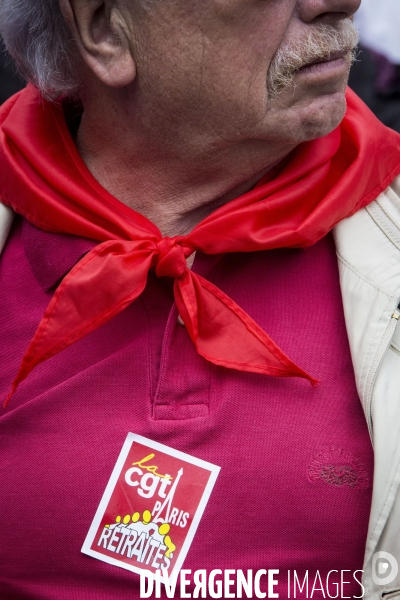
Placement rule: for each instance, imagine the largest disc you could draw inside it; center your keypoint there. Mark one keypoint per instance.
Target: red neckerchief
(44, 179)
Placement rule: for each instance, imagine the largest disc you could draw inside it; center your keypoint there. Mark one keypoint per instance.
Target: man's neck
(173, 183)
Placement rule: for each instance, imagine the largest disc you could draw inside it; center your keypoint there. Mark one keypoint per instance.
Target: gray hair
(36, 36)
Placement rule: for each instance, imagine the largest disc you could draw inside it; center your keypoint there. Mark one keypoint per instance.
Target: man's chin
(310, 116)
(323, 114)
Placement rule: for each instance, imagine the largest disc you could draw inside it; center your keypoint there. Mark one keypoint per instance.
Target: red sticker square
(151, 507)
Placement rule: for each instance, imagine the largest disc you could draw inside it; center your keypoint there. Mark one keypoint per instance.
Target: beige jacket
(368, 248)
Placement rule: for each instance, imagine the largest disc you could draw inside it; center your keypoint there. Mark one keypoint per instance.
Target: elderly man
(177, 167)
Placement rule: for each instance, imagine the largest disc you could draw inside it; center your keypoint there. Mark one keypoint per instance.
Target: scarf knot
(171, 260)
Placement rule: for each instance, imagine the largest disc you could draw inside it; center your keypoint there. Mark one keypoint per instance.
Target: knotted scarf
(43, 178)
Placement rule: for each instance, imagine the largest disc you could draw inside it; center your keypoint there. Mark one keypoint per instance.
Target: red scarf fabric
(44, 179)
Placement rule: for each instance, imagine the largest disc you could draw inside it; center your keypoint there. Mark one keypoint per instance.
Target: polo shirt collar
(52, 255)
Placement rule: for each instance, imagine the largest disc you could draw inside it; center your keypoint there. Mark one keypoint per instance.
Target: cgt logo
(384, 568)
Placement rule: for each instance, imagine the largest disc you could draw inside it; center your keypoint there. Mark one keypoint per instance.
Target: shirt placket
(182, 390)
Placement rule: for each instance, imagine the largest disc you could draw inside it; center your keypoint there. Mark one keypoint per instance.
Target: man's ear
(102, 38)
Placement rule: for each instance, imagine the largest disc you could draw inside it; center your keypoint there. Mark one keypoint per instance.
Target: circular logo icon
(384, 568)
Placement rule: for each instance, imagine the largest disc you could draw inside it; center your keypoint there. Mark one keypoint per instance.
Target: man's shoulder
(370, 238)
(6, 219)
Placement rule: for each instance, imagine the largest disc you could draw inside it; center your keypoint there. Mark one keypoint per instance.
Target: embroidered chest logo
(151, 507)
(338, 467)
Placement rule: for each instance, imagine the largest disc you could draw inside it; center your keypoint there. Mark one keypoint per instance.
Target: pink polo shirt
(294, 490)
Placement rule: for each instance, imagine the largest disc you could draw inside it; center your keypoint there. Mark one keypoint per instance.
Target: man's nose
(326, 10)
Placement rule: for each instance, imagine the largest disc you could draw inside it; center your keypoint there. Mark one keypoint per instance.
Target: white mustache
(322, 42)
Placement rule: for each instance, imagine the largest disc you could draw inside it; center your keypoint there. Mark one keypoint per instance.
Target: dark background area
(10, 83)
(363, 80)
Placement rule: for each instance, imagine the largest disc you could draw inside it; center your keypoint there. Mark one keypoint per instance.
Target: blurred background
(375, 76)
(10, 83)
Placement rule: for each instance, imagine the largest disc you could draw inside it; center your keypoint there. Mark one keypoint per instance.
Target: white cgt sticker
(151, 507)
